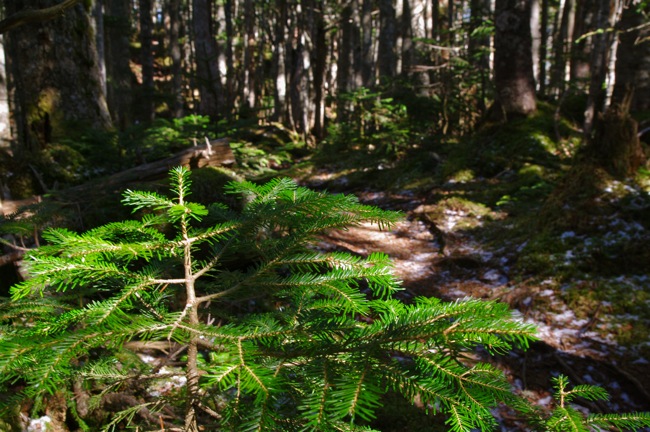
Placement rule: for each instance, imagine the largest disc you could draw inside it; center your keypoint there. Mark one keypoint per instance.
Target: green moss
(622, 307)
(462, 176)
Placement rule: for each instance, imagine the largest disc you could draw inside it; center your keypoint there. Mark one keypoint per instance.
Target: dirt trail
(450, 263)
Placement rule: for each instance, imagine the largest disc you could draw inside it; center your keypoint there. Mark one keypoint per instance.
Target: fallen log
(214, 153)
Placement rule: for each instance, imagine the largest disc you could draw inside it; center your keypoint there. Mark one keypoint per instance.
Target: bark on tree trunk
(175, 54)
(5, 134)
(207, 71)
(633, 61)
(117, 27)
(543, 46)
(513, 66)
(146, 57)
(598, 68)
(367, 57)
(387, 40)
(249, 96)
(320, 61)
(279, 64)
(616, 146)
(585, 22)
(562, 43)
(344, 61)
(54, 77)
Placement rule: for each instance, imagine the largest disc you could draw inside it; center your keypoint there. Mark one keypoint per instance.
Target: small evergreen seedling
(271, 334)
(567, 418)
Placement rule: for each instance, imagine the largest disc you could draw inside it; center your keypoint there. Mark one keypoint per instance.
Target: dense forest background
(311, 66)
(512, 134)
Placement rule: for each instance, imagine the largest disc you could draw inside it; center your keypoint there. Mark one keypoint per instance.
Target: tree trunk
(387, 40)
(367, 55)
(543, 46)
(513, 64)
(598, 67)
(562, 43)
(479, 46)
(320, 60)
(119, 78)
(633, 61)
(5, 134)
(231, 84)
(581, 51)
(616, 146)
(55, 82)
(98, 28)
(207, 71)
(146, 105)
(175, 54)
(298, 86)
(345, 59)
(279, 63)
(249, 98)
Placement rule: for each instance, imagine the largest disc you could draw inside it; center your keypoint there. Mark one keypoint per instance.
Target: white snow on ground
(39, 424)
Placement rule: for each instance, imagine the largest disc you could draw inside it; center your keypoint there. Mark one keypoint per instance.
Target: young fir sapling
(273, 334)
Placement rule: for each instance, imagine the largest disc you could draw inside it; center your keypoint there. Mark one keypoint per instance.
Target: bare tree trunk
(98, 27)
(5, 131)
(207, 71)
(407, 53)
(345, 60)
(175, 54)
(367, 62)
(146, 58)
(279, 63)
(479, 47)
(598, 67)
(298, 80)
(231, 85)
(513, 65)
(633, 61)
(543, 47)
(562, 47)
(248, 89)
(320, 61)
(581, 52)
(117, 26)
(387, 61)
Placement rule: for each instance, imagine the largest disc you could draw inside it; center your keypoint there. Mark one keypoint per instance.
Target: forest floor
(586, 290)
(494, 217)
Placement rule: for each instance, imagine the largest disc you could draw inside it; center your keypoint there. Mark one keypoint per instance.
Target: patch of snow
(167, 383)
(494, 276)
(146, 358)
(39, 424)
(567, 234)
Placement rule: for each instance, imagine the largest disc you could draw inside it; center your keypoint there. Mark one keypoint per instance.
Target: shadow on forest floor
(587, 290)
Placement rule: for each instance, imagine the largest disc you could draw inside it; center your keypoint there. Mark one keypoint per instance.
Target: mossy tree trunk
(615, 145)
(54, 77)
